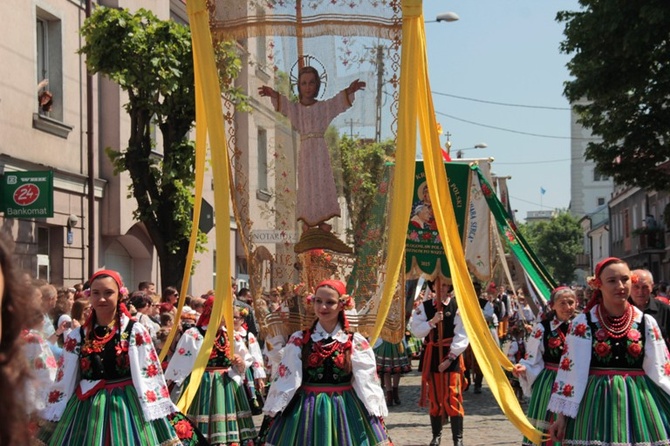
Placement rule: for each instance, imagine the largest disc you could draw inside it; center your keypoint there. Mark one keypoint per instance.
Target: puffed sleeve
(656, 362)
(573, 369)
(67, 378)
(533, 361)
(419, 325)
(182, 361)
(148, 379)
(242, 351)
(460, 341)
(365, 379)
(43, 370)
(289, 377)
(257, 364)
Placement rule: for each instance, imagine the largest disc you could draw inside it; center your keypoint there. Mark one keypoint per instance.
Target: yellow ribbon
(209, 115)
(415, 102)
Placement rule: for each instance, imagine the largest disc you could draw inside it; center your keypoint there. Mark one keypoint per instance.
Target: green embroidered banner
(424, 253)
(531, 264)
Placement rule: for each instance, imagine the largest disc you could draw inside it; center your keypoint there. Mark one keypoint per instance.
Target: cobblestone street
(485, 424)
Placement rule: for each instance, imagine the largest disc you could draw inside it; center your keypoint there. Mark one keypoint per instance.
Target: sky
(505, 52)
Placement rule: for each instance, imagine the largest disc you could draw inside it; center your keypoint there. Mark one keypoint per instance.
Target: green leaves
(621, 67)
(152, 61)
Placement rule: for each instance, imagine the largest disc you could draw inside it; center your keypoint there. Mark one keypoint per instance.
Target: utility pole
(380, 82)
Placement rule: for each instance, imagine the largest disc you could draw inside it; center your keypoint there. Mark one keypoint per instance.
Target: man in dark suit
(640, 296)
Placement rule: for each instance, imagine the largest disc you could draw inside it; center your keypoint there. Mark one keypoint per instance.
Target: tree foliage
(362, 170)
(152, 61)
(556, 243)
(621, 66)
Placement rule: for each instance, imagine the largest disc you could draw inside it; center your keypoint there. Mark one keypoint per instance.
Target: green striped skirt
(220, 409)
(414, 345)
(621, 410)
(326, 416)
(111, 417)
(392, 358)
(539, 400)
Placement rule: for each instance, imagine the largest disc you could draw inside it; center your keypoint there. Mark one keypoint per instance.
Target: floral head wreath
(123, 291)
(595, 283)
(243, 311)
(340, 288)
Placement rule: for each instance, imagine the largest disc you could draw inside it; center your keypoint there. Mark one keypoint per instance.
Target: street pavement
(409, 425)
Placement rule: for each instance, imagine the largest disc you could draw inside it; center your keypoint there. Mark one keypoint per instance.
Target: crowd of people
(80, 365)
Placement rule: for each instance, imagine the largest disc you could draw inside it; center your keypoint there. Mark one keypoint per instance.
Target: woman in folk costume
(110, 389)
(327, 391)
(537, 371)
(255, 376)
(392, 362)
(220, 408)
(613, 381)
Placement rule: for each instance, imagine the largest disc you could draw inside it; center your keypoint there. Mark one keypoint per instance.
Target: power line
(501, 128)
(542, 107)
(519, 132)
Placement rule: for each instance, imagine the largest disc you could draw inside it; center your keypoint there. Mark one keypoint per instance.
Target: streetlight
(445, 17)
(481, 145)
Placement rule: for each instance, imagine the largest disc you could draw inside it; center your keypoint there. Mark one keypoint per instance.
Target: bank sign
(28, 194)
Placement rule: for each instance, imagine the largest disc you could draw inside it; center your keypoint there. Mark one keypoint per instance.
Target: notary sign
(28, 194)
(271, 236)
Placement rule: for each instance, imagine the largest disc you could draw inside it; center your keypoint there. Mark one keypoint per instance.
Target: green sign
(28, 194)
(424, 253)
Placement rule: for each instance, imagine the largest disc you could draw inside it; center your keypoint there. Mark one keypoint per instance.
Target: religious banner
(424, 253)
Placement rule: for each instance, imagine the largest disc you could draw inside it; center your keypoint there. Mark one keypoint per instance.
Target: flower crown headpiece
(346, 299)
(123, 291)
(594, 282)
(244, 312)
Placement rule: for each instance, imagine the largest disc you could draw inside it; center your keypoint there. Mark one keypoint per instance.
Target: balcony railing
(651, 239)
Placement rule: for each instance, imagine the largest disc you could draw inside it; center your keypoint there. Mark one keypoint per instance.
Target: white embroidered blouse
(189, 344)
(365, 380)
(573, 369)
(145, 370)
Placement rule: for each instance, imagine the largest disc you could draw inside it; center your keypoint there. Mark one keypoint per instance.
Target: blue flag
(543, 190)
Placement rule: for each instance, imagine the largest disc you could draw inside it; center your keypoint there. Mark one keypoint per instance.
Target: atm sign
(26, 194)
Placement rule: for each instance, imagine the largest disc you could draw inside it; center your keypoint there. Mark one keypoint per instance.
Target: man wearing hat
(438, 321)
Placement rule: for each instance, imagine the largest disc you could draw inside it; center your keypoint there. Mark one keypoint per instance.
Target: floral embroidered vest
(323, 362)
(112, 362)
(220, 355)
(553, 342)
(626, 352)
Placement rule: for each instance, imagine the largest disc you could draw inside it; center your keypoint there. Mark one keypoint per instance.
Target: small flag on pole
(543, 190)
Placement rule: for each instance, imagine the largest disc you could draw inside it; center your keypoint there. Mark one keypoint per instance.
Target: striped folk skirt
(621, 409)
(221, 411)
(392, 358)
(537, 406)
(326, 416)
(111, 417)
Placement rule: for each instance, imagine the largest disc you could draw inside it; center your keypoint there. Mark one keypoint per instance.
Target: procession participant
(613, 380)
(18, 311)
(317, 200)
(219, 408)
(439, 322)
(537, 371)
(326, 391)
(640, 296)
(109, 388)
(254, 379)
